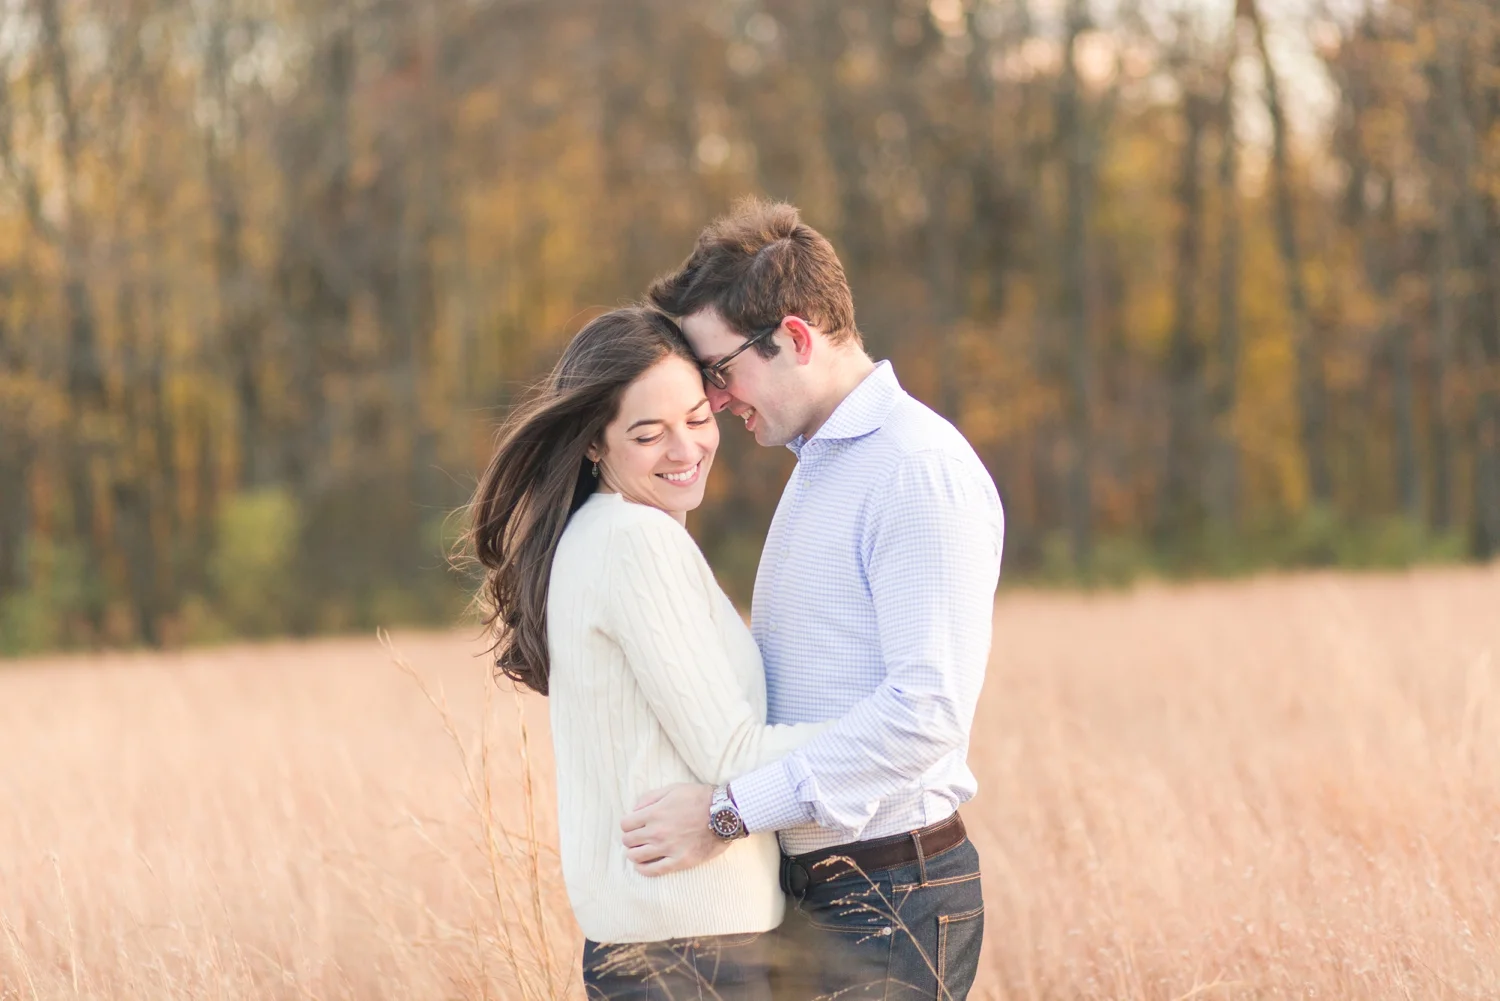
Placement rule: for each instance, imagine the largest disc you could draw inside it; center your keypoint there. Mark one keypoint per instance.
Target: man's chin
(765, 435)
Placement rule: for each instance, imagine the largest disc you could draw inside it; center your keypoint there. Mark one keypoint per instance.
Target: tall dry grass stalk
(283, 821)
(1287, 787)
(520, 906)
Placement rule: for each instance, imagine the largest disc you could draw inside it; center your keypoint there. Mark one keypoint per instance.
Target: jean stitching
(890, 948)
(900, 894)
(942, 954)
(944, 921)
(945, 881)
(951, 880)
(873, 931)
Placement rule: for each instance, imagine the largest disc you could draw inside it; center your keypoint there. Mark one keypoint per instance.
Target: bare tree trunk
(403, 205)
(1073, 132)
(845, 122)
(16, 449)
(1408, 475)
(15, 514)
(935, 147)
(139, 488)
(1380, 238)
(85, 369)
(1439, 413)
(1447, 146)
(1312, 393)
(1179, 513)
(989, 164)
(1481, 230)
(1223, 479)
(135, 491)
(1486, 476)
(1487, 401)
(629, 36)
(319, 256)
(17, 444)
(240, 322)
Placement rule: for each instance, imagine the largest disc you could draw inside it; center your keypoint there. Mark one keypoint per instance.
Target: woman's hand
(668, 830)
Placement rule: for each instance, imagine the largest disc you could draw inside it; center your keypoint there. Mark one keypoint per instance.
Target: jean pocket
(959, 937)
(856, 904)
(843, 955)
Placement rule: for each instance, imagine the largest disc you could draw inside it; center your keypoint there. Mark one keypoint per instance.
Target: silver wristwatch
(724, 817)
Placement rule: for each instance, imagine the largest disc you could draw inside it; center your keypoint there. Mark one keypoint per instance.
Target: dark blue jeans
(710, 968)
(900, 934)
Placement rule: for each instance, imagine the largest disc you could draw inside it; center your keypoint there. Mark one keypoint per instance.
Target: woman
(598, 597)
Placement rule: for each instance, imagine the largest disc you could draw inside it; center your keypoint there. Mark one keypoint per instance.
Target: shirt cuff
(767, 799)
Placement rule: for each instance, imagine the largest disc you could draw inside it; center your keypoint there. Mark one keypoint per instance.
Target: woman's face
(660, 446)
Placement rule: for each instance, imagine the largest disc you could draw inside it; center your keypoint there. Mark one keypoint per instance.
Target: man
(873, 605)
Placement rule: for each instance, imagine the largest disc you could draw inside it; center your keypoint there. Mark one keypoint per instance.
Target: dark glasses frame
(714, 374)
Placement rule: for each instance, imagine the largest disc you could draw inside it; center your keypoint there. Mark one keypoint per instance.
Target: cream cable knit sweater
(655, 679)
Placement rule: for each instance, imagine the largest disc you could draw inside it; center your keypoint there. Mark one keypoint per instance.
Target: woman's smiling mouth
(684, 478)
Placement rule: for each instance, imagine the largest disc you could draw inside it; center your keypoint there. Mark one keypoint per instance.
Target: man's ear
(802, 338)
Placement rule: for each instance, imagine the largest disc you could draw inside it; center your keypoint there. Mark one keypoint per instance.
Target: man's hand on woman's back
(668, 830)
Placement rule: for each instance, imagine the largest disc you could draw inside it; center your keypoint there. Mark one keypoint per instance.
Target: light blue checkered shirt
(873, 605)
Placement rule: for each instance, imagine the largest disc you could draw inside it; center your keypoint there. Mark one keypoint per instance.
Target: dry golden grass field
(1278, 788)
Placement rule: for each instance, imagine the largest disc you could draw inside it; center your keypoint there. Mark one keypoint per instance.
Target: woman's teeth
(680, 477)
(747, 415)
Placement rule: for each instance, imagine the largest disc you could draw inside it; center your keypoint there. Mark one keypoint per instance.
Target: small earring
(596, 470)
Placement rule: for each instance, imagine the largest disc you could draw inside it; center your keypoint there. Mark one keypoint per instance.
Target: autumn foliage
(1210, 289)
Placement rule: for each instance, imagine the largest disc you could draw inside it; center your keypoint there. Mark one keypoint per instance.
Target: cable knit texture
(655, 679)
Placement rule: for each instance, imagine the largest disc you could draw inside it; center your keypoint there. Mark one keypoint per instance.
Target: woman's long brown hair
(540, 474)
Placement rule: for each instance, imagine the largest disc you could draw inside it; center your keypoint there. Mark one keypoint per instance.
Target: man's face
(760, 391)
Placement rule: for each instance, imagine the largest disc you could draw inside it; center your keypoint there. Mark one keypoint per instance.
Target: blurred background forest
(1211, 287)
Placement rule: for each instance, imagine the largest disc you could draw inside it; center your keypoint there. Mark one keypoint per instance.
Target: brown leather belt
(798, 872)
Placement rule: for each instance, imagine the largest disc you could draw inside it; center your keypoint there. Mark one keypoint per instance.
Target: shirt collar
(863, 410)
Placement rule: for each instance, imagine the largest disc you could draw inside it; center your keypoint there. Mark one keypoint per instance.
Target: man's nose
(718, 398)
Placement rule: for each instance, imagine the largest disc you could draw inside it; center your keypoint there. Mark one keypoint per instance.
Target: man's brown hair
(756, 266)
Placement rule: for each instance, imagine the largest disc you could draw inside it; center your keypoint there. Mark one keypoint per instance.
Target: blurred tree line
(269, 272)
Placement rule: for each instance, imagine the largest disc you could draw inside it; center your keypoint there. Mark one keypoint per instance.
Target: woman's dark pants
(714, 967)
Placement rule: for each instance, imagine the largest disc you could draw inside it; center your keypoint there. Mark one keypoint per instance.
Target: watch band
(724, 816)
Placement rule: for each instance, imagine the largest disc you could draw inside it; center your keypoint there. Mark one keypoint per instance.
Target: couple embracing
(768, 811)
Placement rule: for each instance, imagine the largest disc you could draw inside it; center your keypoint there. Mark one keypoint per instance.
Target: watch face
(726, 823)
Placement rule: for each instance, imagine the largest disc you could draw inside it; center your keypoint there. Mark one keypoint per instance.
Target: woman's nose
(680, 447)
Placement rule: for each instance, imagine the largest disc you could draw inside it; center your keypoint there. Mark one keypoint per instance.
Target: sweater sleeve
(660, 612)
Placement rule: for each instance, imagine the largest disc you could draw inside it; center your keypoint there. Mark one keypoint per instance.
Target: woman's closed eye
(653, 439)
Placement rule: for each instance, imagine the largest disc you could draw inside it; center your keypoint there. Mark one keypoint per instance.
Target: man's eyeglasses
(714, 373)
